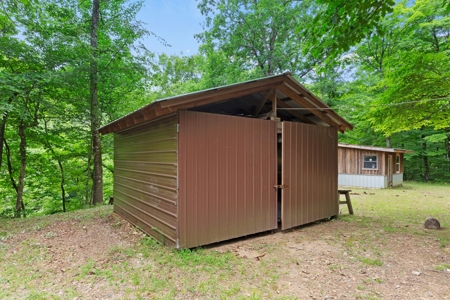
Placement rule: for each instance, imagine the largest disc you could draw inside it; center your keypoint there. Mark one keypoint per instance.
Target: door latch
(279, 186)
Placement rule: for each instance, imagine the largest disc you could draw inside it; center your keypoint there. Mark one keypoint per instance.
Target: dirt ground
(327, 260)
(316, 264)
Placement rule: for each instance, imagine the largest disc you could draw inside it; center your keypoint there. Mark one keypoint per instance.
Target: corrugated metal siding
(365, 181)
(309, 172)
(227, 173)
(145, 177)
(397, 179)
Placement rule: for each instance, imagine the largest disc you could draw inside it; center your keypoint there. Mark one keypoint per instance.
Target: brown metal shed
(227, 162)
(370, 167)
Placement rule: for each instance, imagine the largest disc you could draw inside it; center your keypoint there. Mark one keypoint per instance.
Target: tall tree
(340, 24)
(53, 55)
(370, 56)
(97, 178)
(407, 96)
(260, 34)
(417, 90)
(275, 36)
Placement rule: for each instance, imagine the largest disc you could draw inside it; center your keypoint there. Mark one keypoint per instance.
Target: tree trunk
(388, 142)
(88, 189)
(20, 207)
(58, 159)
(2, 135)
(63, 192)
(448, 144)
(9, 164)
(97, 184)
(426, 173)
(448, 152)
(3, 127)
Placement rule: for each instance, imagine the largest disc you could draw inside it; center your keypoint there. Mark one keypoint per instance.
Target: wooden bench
(347, 199)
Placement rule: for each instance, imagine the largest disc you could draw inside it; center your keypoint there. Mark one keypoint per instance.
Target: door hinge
(178, 128)
(279, 186)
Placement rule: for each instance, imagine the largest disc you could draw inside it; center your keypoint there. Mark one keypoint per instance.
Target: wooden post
(274, 106)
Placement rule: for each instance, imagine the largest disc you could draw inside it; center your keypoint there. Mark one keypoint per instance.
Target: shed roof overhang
(280, 95)
(380, 149)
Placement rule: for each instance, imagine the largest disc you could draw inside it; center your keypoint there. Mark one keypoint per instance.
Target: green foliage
(340, 24)
(44, 86)
(328, 85)
(274, 36)
(401, 89)
(428, 143)
(260, 36)
(418, 93)
(415, 86)
(393, 85)
(174, 75)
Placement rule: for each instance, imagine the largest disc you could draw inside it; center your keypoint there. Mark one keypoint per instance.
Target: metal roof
(372, 148)
(254, 98)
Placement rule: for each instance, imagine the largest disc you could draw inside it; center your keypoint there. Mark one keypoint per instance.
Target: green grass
(148, 270)
(402, 209)
(383, 214)
(442, 267)
(370, 262)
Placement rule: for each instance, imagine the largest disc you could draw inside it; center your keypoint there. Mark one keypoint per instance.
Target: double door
(309, 171)
(228, 176)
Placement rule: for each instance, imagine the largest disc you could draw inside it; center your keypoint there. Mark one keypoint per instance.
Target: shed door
(309, 174)
(227, 172)
(390, 170)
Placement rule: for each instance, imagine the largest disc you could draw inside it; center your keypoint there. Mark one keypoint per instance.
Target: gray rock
(432, 223)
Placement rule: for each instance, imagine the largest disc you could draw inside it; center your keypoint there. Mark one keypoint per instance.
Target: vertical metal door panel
(309, 173)
(227, 173)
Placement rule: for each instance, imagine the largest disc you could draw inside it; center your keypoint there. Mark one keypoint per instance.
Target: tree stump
(432, 223)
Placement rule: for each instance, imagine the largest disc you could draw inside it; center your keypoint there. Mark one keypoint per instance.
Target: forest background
(69, 66)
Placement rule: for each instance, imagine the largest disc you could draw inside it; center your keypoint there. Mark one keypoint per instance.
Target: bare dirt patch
(328, 261)
(60, 251)
(104, 257)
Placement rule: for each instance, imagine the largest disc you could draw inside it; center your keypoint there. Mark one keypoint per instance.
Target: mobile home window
(370, 162)
(397, 164)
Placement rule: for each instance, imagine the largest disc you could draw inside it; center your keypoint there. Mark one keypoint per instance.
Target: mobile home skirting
(369, 181)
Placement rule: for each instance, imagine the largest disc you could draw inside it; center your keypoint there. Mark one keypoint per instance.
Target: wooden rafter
(294, 113)
(161, 108)
(266, 96)
(303, 92)
(306, 104)
(245, 108)
(285, 83)
(219, 94)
